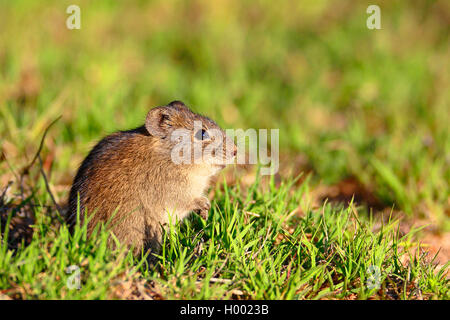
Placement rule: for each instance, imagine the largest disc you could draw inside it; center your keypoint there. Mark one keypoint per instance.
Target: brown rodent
(130, 179)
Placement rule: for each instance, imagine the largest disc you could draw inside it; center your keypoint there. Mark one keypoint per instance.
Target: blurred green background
(352, 104)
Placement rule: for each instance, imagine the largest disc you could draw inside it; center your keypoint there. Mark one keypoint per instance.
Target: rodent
(130, 179)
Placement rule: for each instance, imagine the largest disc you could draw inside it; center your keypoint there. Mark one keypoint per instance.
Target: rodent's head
(189, 138)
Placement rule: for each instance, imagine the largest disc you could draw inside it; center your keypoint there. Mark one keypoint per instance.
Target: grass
(259, 245)
(361, 112)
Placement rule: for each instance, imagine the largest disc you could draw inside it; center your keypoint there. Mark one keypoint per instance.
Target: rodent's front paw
(202, 206)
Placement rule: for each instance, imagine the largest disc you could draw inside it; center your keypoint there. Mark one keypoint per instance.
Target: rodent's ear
(157, 122)
(178, 104)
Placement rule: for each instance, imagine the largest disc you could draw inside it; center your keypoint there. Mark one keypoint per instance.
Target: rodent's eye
(201, 135)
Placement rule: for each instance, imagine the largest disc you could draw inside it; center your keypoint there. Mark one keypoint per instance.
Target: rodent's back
(110, 174)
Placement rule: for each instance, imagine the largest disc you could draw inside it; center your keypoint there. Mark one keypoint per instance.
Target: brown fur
(129, 179)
